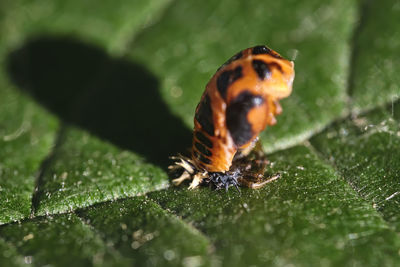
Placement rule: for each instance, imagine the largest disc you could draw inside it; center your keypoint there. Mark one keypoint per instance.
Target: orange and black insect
(239, 101)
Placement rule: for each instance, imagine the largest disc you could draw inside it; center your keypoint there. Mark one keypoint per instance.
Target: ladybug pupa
(239, 101)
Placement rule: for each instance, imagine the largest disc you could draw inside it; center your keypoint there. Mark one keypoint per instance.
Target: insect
(239, 101)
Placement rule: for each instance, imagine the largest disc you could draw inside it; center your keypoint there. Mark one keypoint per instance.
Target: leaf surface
(94, 98)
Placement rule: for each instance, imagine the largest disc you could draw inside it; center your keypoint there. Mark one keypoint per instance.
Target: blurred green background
(95, 96)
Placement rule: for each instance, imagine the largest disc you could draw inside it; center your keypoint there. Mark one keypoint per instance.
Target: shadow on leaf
(115, 99)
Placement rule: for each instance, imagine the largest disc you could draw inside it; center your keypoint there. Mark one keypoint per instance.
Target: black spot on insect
(204, 160)
(226, 78)
(236, 117)
(202, 166)
(202, 149)
(203, 139)
(261, 68)
(235, 57)
(276, 66)
(204, 115)
(262, 49)
(201, 158)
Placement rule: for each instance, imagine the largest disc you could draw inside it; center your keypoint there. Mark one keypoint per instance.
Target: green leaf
(111, 24)
(308, 217)
(205, 34)
(9, 255)
(375, 58)
(86, 170)
(148, 235)
(63, 240)
(26, 136)
(95, 96)
(364, 150)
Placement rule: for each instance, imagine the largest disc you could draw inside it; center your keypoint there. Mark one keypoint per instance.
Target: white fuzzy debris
(195, 182)
(189, 171)
(185, 175)
(392, 195)
(271, 179)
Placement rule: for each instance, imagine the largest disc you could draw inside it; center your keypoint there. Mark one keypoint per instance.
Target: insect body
(240, 100)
